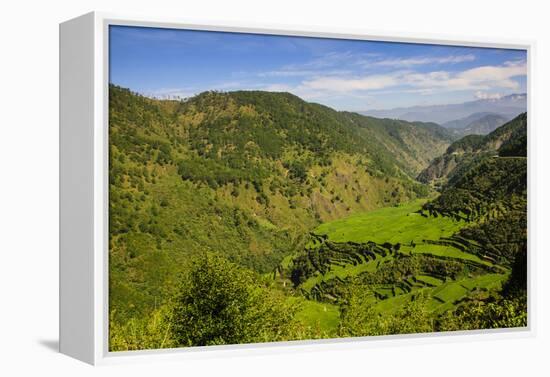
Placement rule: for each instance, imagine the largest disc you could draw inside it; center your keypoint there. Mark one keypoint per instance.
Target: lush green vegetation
(219, 303)
(507, 140)
(459, 254)
(253, 216)
(402, 224)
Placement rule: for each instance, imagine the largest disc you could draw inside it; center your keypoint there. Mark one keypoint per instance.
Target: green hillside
(279, 219)
(511, 137)
(449, 256)
(245, 174)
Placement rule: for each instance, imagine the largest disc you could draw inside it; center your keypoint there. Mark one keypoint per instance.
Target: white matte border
(101, 190)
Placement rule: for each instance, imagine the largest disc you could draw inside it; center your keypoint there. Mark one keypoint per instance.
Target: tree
(221, 303)
(150, 331)
(297, 171)
(359, 318)
(475, 315)
(517, 284)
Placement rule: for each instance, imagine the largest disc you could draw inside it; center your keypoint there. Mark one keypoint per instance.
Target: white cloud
(500, 76)
(479, 78)
(484, 95)
(337, 84)
(407, 62)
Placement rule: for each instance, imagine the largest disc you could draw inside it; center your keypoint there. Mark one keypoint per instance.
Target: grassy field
(317, 315)
(447, 252)
(399, 224)
(429, 280)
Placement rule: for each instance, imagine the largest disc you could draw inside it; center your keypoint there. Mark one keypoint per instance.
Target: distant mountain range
(456, 115)
(476, 124)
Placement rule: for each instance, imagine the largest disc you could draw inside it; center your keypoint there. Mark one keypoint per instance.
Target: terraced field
(397, 254)
(443, 296)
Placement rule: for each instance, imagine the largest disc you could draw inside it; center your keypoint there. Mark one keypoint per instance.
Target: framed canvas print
(232, 189)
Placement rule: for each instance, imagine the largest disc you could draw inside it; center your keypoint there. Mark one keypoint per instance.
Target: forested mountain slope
(491, 193)
(458, 261)
(511, 137)
(243, 174)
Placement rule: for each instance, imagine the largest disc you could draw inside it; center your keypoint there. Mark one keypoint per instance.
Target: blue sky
(343, 74)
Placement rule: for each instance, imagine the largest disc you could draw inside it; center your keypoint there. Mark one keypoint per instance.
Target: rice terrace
(275, 188)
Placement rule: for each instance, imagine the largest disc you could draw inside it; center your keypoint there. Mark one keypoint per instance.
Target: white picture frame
(84, 72)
